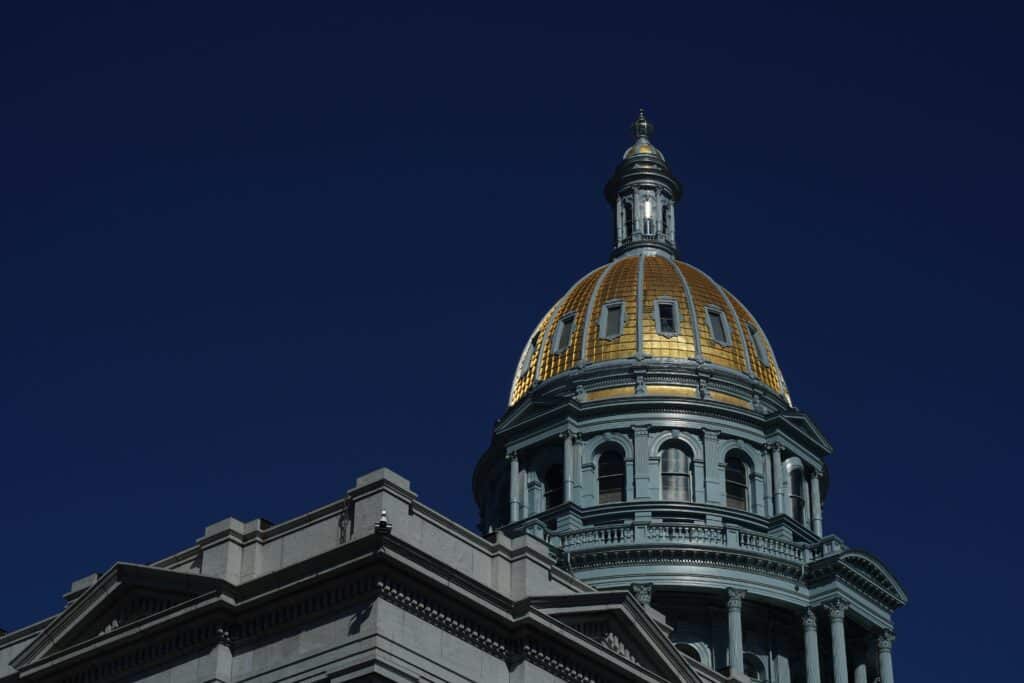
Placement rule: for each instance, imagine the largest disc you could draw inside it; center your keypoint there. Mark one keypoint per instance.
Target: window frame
(566, 325)
(760, 347)
(656, 314)
(559, 489)
(745, 482)
(527, 358)
(602, 323)
(710, 310)
(686, 473)
(621, 457)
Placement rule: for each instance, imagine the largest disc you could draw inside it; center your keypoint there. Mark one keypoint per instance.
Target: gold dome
(644, 279)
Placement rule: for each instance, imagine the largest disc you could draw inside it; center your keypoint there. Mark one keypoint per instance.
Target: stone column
(780, 505)
(567, 464)
(735, 605)
(714, 487)
(769, 481)
(642, 474)
(815, 501)
(513, 486)
(836, 616)
(811, 664)
(884, 643)
(860, 671)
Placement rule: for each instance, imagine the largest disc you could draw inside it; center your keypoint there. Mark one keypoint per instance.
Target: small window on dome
(719, 326)
(563, 334)
(612, 320)
(759, 345)
(527, 357)
(666, 316)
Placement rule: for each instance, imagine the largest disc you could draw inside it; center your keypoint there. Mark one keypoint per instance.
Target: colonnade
(773, 477)
(836, 610)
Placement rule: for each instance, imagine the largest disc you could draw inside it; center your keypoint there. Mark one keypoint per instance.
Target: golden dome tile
(638, 280)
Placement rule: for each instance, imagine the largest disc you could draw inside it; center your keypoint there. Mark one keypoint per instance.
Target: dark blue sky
(251, 252)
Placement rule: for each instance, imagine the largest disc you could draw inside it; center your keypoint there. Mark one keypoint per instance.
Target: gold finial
(642, 128)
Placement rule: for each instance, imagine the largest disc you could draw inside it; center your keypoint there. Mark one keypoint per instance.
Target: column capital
(511, 455)
(774, 446)
(809, 619)
(884, 640)
(837, 609)
(710, 433)
(735, 598)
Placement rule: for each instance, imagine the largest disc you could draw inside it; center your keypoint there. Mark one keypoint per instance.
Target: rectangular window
(759, 346)
(719, 328)
(563, 333)
(611, 321)
(668, 322)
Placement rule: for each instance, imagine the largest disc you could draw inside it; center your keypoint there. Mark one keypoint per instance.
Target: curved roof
(638, 281)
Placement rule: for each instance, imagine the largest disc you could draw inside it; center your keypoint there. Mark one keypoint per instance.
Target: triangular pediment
(619, 624)
(125, 594)
(806, 427)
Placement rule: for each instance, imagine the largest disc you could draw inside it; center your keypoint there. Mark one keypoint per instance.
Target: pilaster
(734, 603)
(811, 663)
(641, 456)
(836, 617)
(884, 644)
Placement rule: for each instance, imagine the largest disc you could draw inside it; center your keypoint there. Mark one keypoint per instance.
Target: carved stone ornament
(885, 640)
(809, 620)
(735, 600)
(642, 592)
(837, 609)
(580, 394)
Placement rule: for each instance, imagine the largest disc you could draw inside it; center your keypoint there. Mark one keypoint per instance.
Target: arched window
(735, 482)
(753, 668)
(688, 650)
(554, 486)
(627, 215)
(676, 461)
(796, 494)
(611, 477)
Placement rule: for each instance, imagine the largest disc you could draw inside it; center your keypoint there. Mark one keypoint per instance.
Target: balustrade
(694, 534)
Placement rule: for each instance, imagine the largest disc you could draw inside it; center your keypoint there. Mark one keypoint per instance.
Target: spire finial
(642, 128)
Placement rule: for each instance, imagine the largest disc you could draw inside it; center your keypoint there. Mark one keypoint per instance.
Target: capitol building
(651, 509)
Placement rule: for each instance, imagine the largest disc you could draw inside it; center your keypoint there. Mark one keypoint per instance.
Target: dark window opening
(554, 486)
(667, 318)
(611, 478)
(563, 333)
(613, 320)
(735, 483)
(676, 462)
(718, 329)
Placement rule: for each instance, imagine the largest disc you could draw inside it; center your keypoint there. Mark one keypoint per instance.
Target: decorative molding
(735, 599)
(643, 592)
(837, 609)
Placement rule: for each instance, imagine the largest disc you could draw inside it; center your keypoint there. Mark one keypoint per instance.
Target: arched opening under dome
(797, 501)
(753, 668)
(611, 476)
(554, 486)
(676, 468)
(735, 481)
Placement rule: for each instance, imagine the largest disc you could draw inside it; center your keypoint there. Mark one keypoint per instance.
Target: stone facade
(651, 504)
(373, 587)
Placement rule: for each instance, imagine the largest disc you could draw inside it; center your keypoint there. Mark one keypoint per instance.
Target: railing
(621, 535)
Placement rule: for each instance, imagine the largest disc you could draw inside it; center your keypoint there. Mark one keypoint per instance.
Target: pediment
(806, 427)
(619, 624)
(872, 569)
(125, 594)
